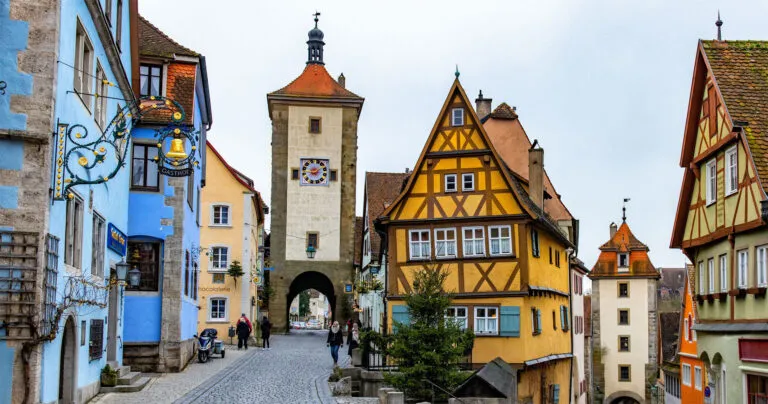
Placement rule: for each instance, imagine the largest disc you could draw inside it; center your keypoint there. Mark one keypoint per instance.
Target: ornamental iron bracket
(81, 158)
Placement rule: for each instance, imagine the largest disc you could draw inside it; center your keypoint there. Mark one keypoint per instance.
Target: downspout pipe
(382, 249)
(571, 254)
(204, 71)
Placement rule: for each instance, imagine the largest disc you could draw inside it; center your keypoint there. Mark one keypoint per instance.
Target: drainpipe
(571, 254)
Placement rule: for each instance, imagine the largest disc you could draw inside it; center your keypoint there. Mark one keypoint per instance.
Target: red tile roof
(381, 189)
(315, 81)
(624, 241)
(243, 180)
(740, 69)
(153, 42)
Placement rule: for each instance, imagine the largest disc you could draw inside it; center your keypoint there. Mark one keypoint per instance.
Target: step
(128, 378)
(138, 386)
(123, 370)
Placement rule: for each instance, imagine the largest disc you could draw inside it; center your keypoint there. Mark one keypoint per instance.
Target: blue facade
(108, 200)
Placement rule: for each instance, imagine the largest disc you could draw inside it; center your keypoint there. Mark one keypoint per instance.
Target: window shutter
(400, 315)
(96, 342)
(538, 320)
(510, 321)
(566, 319)
(556, 394)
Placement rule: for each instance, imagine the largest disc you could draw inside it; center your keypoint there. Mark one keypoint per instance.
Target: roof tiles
(315, 81)
(381, 190)
(154, 42)
(623, 240)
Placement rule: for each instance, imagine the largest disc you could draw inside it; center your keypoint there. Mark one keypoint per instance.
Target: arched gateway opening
(67, 374)
(312, 280)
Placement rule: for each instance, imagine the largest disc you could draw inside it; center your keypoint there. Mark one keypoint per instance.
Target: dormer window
(457, 117)
(623, 262)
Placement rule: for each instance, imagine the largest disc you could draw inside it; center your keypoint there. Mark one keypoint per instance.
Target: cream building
(232, 229)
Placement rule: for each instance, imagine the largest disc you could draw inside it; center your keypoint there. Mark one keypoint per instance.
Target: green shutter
(400, 315)
(556, 394)
(538, 321)
(510, 321)
(562, 318)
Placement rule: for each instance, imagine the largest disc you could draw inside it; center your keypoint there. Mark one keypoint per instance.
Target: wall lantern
(134, 277)
(311, 252)
(122, 270)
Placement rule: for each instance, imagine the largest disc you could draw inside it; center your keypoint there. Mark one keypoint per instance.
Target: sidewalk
(167, 387)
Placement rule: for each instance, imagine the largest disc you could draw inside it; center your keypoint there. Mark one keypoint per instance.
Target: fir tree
(235, 270)
(430, 347)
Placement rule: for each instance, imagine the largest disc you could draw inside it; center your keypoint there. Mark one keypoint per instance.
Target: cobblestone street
(295, 370)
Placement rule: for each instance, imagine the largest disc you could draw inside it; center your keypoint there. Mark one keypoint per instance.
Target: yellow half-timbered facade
(464, 211)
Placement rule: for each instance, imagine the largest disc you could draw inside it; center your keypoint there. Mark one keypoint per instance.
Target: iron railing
(18, 278)
(376, 358)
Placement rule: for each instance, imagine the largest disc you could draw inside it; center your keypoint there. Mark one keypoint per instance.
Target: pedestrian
(335, 340)
(353, 339)
(266, 327)
(243, 332)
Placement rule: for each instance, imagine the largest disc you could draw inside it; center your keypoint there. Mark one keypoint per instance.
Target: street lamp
(122, 270)
(311, 252)
(134, 277)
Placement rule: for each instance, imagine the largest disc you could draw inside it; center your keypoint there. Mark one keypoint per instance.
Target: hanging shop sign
(347, 288)
(95, 158)
(117, 241)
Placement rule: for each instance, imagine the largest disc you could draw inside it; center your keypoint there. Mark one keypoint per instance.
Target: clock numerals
(314, 171)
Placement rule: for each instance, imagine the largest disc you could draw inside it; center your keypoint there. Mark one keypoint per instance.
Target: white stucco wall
(577, 310)
(313, 208)
(637, 303)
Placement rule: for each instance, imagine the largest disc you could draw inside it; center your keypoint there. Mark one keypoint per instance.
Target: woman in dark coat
(353, 339)
(243, 330)
(335, 340)
(266, 327)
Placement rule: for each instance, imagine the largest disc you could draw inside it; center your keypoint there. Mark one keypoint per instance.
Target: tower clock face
(314, 172)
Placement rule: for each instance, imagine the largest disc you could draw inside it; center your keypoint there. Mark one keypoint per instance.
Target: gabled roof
(154, 42)
(497, 378)
(624, 242)
(315, 82)
(381, 189)
(244, 181)
(740, 69)
(512, 143)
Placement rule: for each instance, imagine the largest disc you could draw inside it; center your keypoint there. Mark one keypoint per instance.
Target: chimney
(614, 228)
(407, 170)
(536, 174)
(342, 80)
(482, 105)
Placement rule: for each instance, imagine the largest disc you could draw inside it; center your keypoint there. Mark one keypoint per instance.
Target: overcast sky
(603, 85)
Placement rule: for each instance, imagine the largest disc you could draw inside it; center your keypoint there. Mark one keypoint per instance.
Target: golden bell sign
(177, 150)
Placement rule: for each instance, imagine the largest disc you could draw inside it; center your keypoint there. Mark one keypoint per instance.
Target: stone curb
(203, 388)
(322, 390)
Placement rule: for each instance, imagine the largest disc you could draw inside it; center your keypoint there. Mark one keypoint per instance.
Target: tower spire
(315, 44)
(624, 210)
(719, 23)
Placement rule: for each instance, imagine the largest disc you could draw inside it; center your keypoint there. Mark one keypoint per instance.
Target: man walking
(244, 330)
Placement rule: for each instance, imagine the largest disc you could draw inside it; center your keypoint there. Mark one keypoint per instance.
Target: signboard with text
(117, 241)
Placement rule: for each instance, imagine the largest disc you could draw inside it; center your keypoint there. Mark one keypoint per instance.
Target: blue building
(67, 69)
(164, 211)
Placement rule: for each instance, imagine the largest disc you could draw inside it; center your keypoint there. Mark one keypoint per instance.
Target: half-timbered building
(720, 225)
(464, 211)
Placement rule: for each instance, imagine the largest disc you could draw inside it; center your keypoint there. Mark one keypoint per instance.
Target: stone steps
(128, 378)
(138, 385)
(127, 381)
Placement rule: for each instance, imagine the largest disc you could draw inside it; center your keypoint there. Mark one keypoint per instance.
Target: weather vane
(624, 210)
(316, 14)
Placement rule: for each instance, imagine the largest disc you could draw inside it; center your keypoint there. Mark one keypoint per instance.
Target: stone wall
(170, 327)
(652, 367)
(598, 368)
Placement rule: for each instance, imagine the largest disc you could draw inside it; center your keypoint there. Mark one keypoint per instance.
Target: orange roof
(315, 81)
(624, 242)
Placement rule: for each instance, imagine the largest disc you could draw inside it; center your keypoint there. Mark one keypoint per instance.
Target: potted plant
(108, 376)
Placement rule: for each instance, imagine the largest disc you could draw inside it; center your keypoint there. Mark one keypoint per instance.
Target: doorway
(67, 375)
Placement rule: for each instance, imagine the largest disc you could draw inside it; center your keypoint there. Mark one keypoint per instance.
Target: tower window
(624, 317)
(334, 176)
(625, 374)
(623, 261)
(624, 343)
(314, 125)
(457, 116)
(295, 174)
(624, 289)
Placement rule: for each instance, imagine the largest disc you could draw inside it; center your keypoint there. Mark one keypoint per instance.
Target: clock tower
(314, 159)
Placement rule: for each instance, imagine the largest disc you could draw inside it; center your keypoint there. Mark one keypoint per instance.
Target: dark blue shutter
(556, 394)
(400, 315)
(510, 321)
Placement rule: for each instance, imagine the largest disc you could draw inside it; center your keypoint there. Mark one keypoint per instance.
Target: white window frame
(214, 263)
(702, 279)
(697, 377)
(461, 320)
(224, 319)
(711, 184)
(731, 171)
(500, 239)
(419, 245)
(487, 319)
(73, 247)
(213, 214)
(98, 242)
(102, 91)
(685, 329)
(457, 119)
(473, 240)
(83, 71)
(723, 273)
(447, 179)
(624, 268)
(761, 258)
(464, 177)
(686, 374)
(742, 277)
(711, 274)
(446, 242)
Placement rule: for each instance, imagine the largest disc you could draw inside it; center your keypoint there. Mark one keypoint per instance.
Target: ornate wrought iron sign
(81, 158)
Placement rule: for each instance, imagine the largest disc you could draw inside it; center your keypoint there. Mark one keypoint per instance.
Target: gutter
(204, 71)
